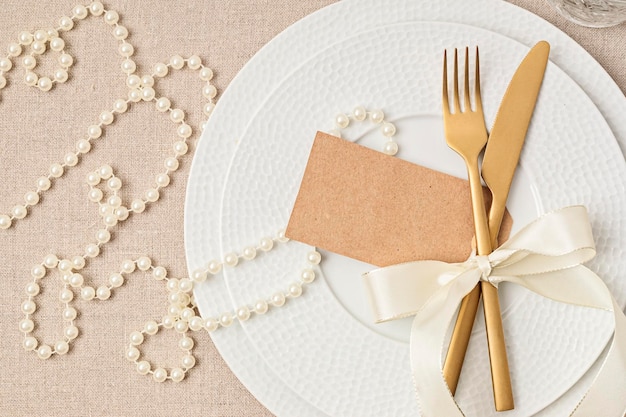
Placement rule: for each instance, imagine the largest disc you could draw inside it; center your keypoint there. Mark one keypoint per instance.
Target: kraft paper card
(382, 210)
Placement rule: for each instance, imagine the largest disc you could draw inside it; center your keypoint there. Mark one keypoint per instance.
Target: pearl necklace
(104, 186)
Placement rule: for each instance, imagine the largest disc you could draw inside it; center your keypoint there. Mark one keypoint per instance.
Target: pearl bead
(278, 299)
(171, 163)
(19, 212)
(56, 170)
(65, 265)
(61, 347)
(28, 307)
(84, 146)
(120, 32)
(243, 313)
(105, 172)
(38, 271)
(295, 290)
(96, 8)
(342, 121)
(207, 109)
(66, 60)
(214, 267)
(177, 115)
(152, 195)
(194, 62)
(14, 49)
(160, 69)
(163, 104)
(70, 159)
(111, 17)
(185, 285)
(44, 84)
(94, 131)
(359, 113)
(79, 11)
(159, 273)
(231, 259)
(134, 95)
(132, 353)
(71, 332)
(50, 261)
(184, 130)
(260, 307)
(143, 367)
(282, 237)
(60, 75)
(120, 105)
(195, 323)
(38, 47)
(147, 94)
(209, 91)
(52, 33)
(147, 81)
(43, 183)
(3, 81)
(133, 81)
(69, 313)
(151, 327)
(188, 361)
(78, 262)
(136, 338)
(249, 253)
(32, 289)
(87, 293)
(103, 293)
(211, 324)
(266, 244)
(181, 326)
(177, 62)
(5, 64)
(144, 263)
(40, 35)
(114, 184)
(66, 23)
(106, 117)
(159, 375)
(391, 148)
(388, 129)
(128, 266)
(30, 343)
(314, 257)
(377, 116)
(66, 295)
(126, 50)
(57, 44)
(180, 148)
(116, 280)
(187, 314)
(138, 206)
(206, 74)
(76, 280)
(173, 309)
(27, 325)
(5, 221)
(92, 250)
(177, 374)
(103, 236)
(29, 62)
(226, 320)
(162, 180)
(167, 322)
(25, 38)
(95, 195)
(128, 66)
(44, 352)
(307, 275)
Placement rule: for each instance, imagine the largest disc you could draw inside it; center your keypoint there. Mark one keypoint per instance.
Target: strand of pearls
(359, 114)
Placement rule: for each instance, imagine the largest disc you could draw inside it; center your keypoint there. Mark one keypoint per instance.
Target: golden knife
(500, 161)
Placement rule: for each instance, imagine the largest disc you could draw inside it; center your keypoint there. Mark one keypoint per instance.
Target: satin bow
(546, 257)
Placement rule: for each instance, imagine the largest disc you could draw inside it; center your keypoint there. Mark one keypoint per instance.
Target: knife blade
(499, 163)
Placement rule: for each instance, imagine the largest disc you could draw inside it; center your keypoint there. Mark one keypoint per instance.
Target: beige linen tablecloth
(37, 128)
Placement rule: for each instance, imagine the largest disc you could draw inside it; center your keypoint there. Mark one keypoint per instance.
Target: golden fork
(466, 133)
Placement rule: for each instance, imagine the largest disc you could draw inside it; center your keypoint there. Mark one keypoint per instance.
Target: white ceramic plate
(260, 77)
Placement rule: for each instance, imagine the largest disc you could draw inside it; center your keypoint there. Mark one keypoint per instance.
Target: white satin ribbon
(546, 257)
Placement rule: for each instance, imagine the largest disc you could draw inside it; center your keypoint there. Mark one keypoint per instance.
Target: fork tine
(466, 91)
(444, 93)
(477, 98)
(457, 105)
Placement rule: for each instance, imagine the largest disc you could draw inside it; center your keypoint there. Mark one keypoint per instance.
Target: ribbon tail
(428, 334)
(607, 395)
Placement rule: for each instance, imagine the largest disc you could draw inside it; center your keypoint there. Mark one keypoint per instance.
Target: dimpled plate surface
(260, 77)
